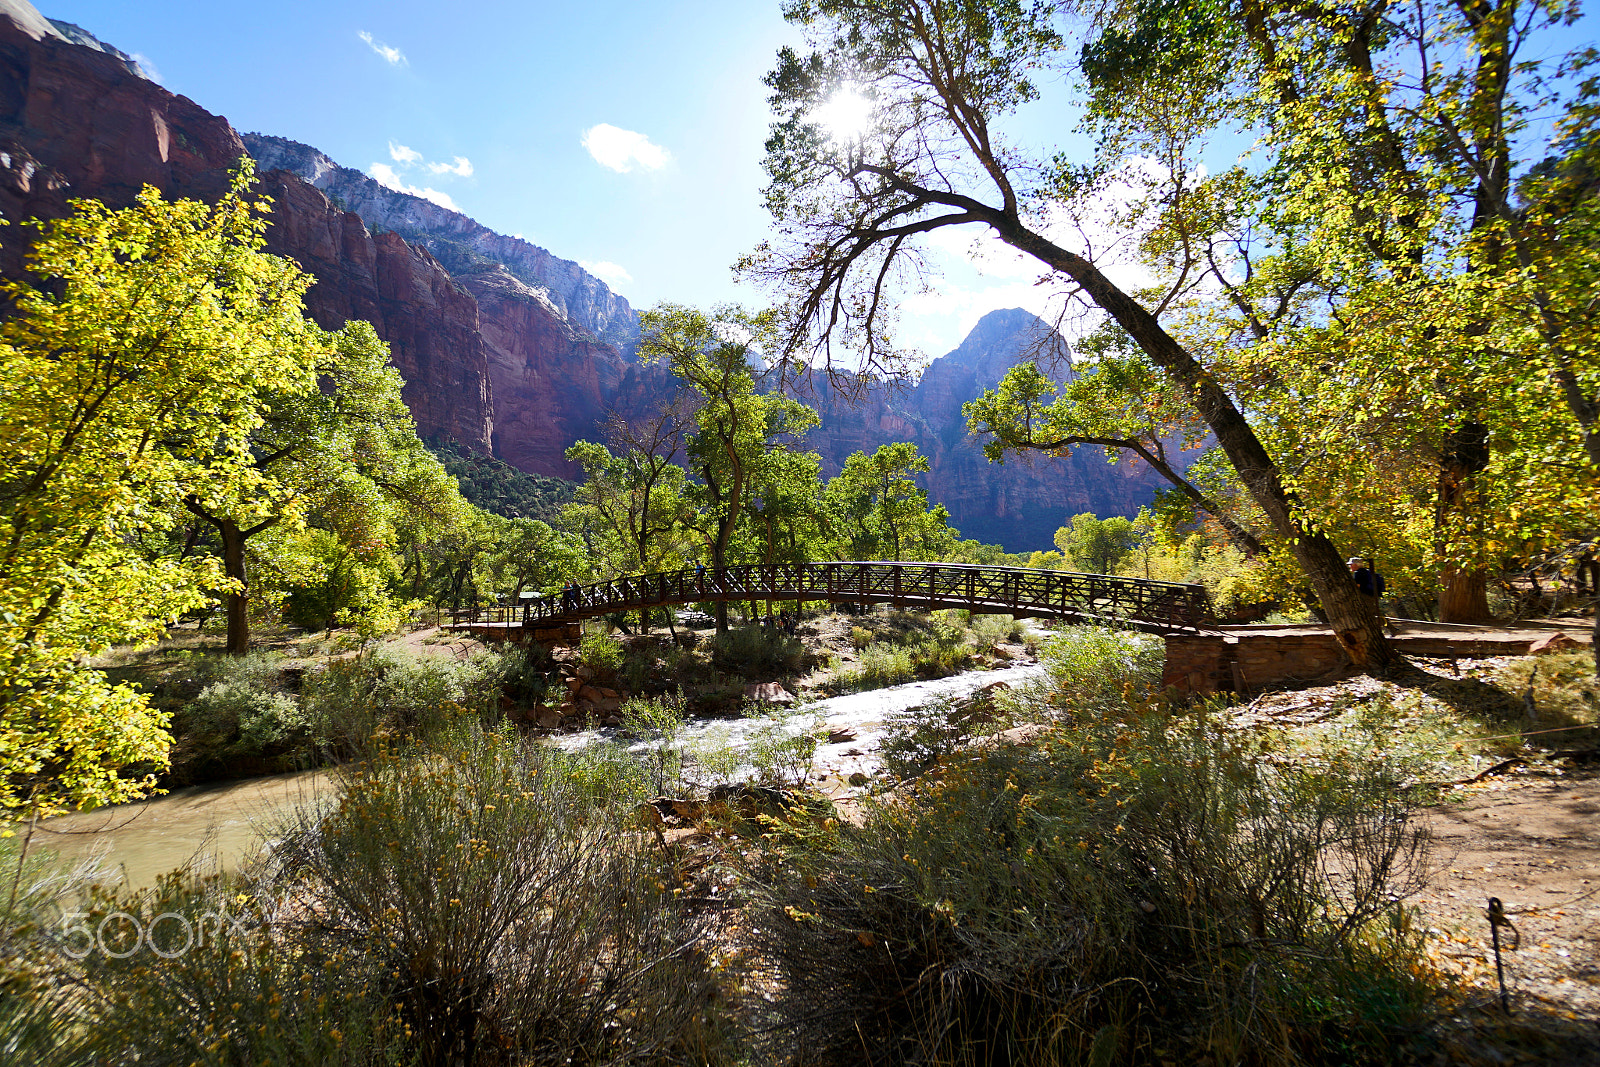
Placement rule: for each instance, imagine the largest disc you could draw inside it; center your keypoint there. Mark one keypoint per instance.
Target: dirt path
(1532, 839)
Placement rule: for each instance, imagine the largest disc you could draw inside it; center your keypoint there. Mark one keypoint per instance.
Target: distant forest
(495, 485)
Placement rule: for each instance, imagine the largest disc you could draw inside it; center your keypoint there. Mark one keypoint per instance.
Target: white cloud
(462, 167)
(149, 68)
(408, 158)
(393, 56)
(387, 177)
(621, 149)
(606, 271)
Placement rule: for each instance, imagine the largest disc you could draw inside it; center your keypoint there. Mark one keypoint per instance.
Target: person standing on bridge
(569, 597)
(700, 577)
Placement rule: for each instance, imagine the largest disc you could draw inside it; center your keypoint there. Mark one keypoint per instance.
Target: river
(219, 825)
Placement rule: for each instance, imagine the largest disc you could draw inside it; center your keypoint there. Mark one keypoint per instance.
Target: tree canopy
(1391, 253)
(132, 369)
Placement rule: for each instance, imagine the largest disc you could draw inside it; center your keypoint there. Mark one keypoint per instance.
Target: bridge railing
(1010, 590)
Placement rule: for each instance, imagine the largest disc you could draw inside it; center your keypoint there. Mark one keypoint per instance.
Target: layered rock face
(79, 121)
(464, 245)
(553, 384)
(1019, 504)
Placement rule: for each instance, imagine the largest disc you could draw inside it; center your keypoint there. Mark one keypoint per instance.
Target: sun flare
(846, 115)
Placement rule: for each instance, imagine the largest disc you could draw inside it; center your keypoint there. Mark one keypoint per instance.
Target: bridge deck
(1155, 607)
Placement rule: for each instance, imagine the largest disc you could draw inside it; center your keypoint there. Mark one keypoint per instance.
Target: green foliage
(1101, 672)
(600, 651)
(741, 450)
(390, 699)
(510, 911)
(783, 748)
(247, 720)
(660, 721)
(131, 369)
(757, 653)
(1098, 546)
(880, 511)
(915, 738)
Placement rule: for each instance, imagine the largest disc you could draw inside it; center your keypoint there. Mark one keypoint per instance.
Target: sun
(846, 115)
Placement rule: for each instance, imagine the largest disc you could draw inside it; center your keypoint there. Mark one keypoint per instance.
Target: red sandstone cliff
(488, 359)
(77, 122)
(553, 385)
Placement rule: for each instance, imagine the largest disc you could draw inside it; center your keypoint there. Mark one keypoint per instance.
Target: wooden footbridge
(1154, 607)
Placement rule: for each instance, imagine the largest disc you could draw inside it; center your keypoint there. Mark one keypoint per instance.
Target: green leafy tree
(1096, 545)
(635, 497)
(343, 455)
(130, 377)
(738, 430)
(877, 500)
(1405, 280)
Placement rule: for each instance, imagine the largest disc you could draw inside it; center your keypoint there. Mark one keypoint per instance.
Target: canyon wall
(79, 121)
(504, 346)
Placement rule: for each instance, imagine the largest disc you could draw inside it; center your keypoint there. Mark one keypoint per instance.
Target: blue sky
(513, 88)
(621, 134)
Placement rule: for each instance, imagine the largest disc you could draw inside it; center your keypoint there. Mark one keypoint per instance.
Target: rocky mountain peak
(463, 245)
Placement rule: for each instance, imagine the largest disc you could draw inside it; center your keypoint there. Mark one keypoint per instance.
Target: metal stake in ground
(1497, 919)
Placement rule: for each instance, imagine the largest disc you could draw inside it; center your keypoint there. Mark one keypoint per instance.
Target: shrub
(519, 920)
(258, 670)
(602, 652)
(756, 652)
(659, 720)
(243, 719)
(913, 738)
(388, 696)
(1119, 889)
(782, 750)
(861, 637)
(991, 630)
(521, 673)
(880, 665)
(1097, 671)
(234, 983)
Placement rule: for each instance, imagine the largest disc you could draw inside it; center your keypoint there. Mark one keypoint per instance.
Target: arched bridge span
(1154, 607)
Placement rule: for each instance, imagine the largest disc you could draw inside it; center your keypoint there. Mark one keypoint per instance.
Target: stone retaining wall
(1249, 660)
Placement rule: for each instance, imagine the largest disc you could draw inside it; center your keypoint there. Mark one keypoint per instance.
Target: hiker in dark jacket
(1369, 581)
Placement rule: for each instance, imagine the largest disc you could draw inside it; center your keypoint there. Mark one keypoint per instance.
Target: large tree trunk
(1464, 595)
(1463, 591)
(233, 538)
(238, 600)
(718, 561)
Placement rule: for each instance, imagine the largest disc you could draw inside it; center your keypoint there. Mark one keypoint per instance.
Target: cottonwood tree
(1405, 271)
(133, 359)
(633, 485)
(340, 452)
(738, 430)
(878, 502)
(942, 75)
(1097, 545)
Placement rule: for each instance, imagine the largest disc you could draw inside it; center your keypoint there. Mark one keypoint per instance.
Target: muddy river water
(218, 825)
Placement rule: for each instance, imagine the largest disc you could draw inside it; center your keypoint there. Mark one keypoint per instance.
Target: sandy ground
(1532, 839)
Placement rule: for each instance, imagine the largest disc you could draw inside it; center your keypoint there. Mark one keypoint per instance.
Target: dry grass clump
(481, 902)
(1134, 888)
